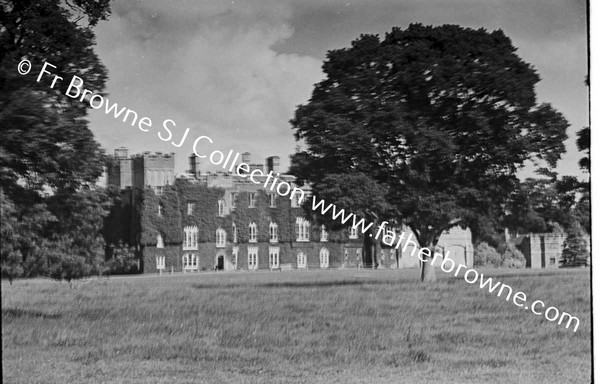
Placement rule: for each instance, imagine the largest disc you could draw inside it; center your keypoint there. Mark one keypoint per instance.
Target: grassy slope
(338, 326)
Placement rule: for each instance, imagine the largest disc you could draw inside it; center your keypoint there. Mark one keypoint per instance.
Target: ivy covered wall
(174, 217)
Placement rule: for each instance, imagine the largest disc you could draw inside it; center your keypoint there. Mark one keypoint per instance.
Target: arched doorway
(220, 263)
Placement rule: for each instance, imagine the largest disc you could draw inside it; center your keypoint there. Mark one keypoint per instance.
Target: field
(299, 327)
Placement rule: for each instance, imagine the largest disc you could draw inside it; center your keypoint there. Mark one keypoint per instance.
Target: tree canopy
(444, 116)
(49, 160)
(45, 138)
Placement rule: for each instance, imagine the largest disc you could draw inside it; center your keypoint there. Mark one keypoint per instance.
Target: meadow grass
(353, 326)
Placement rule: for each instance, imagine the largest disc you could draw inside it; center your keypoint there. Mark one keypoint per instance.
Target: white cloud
(208, 66)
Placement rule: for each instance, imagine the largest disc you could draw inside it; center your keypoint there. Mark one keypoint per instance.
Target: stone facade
(204, 221)
(542, 250)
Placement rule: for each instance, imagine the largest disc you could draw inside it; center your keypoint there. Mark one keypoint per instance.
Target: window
(160, 262)
(302, 229)
(273, 237)
(273, 257)
(273, 200)
(552, 261)
(221, 238)
(234, 230)
(189, 261)
(251, 200)
(160, 209)
(358, 254)
(190, 238)
(190, 208)
(324, 234)
(296, 200)
(252, 232)
(234, 256)
(221, 207)
(252, 258)
(232, 199)
(353, 233)
(159, 241)
(159, 191)
(301, 260)
(324, 257)
(346, 254)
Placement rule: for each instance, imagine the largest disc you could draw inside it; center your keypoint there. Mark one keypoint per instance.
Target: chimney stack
(273, 164)
(194, 165)
(121, 153)
(246, 157)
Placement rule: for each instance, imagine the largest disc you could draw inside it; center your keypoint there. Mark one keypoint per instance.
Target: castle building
(543, 250)
(198, 220)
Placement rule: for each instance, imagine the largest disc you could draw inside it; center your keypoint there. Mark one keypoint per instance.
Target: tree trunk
(427, 270)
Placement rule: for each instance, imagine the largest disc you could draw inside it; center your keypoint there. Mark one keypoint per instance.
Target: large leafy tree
(49, 158)
(538, 204)
(445, 116)
(45, 138)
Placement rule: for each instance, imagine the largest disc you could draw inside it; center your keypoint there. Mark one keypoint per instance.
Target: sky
(235, 71)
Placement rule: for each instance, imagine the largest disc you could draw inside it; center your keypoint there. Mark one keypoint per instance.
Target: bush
(122, 260)
(511, 256)
(486, 256)
(575, 253)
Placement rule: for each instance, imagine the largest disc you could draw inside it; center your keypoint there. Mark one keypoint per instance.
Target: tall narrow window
(296, 200)
(234, 256)
(324, 234)
(252, 258)
(221, 207)
(160, 262)
(324, 257)
(273, 200)
(251, 199)
(273, 257)
(232, 199)
(190, 208)
(159, 241)
(252, 232)
(160, 209)
(302, 229)
(353, 233)
(273, 236)
(221, 238)
(190, 238)
(235, 234)
(301, 260)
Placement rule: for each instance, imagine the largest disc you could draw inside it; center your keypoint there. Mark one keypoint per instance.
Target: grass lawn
(298, 327)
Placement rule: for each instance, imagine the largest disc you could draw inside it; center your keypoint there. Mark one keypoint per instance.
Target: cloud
(236, 70)
(208, 66)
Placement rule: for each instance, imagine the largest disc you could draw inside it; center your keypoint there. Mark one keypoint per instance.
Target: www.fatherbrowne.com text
(447, 264)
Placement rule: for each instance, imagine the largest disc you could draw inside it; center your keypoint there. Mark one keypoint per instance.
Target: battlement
(154, 155)
(146, 169)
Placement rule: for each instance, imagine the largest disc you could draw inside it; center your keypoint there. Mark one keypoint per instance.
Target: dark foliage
(440, 117)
